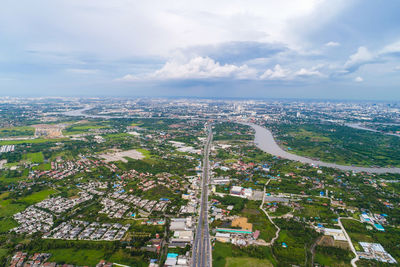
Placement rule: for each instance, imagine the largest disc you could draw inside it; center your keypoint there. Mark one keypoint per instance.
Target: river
(265, 141)
(359, 126)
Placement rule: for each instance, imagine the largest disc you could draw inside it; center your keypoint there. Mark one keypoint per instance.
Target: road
(269, 218)
(201, 253)
(356, 258)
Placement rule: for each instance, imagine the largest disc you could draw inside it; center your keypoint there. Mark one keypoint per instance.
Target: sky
(341, 49)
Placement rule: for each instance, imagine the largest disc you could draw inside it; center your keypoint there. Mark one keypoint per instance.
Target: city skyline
(291, 49)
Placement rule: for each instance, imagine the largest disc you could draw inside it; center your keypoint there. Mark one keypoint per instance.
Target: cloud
(306, 72)
(358, 79)
(83, 71)
(196, 68)
(235, 52)
(128, 78)
(277, 73)
(361, 57)
(393, 48)
(332, 44)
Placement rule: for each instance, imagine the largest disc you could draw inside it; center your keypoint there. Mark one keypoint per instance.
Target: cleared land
(122, 155)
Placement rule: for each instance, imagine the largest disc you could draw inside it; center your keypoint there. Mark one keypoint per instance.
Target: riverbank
(265, 141)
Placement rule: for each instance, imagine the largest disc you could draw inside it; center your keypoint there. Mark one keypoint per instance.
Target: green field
(42, 167)
(3, 252)
(17, 131)
(334, 257)
(6, 224)
(225, 255)
(144, 152)
(31, 141)
(259, 220)
(339, 144)
(8, 209)
(85, 127)
(34, 157)
(76, 256)
(37, 196)
(90, 257)
(247, 262)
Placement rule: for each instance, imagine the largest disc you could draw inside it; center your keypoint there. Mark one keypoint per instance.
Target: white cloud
(332, 44)
(308, 72)
(83, 71)
(128, 78)
(362, 56)
(196, 68)
(277, 73)
(152, 27)
(359, 79)
(391, 48)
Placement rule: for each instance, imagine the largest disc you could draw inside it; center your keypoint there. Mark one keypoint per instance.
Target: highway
(201, 253)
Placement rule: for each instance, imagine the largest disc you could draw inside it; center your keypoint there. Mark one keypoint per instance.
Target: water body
(81, 113)
(359, 126)
(265, 141)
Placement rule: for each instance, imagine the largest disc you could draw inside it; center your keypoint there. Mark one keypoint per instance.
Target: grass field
(90, 257)
(76, 256)
(316, 211)
(313, 137)
(326, 260)
(37, 196)
(35, 157)
(8, 209)
(332, 256)
(247, 262)
(158, 192)
(7, 224)
(42, 167)
(84, 128)
(144, 152)
(3, 252)
(31, 141)
(225, 255)
(259, 220)
(122, 257)
(17, 131)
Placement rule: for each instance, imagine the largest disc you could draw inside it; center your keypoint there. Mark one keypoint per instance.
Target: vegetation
(332, 256)
(226, 254)
(339, 144)
(17, 131)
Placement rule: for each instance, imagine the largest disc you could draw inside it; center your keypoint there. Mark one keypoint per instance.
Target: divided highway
(201, 253)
